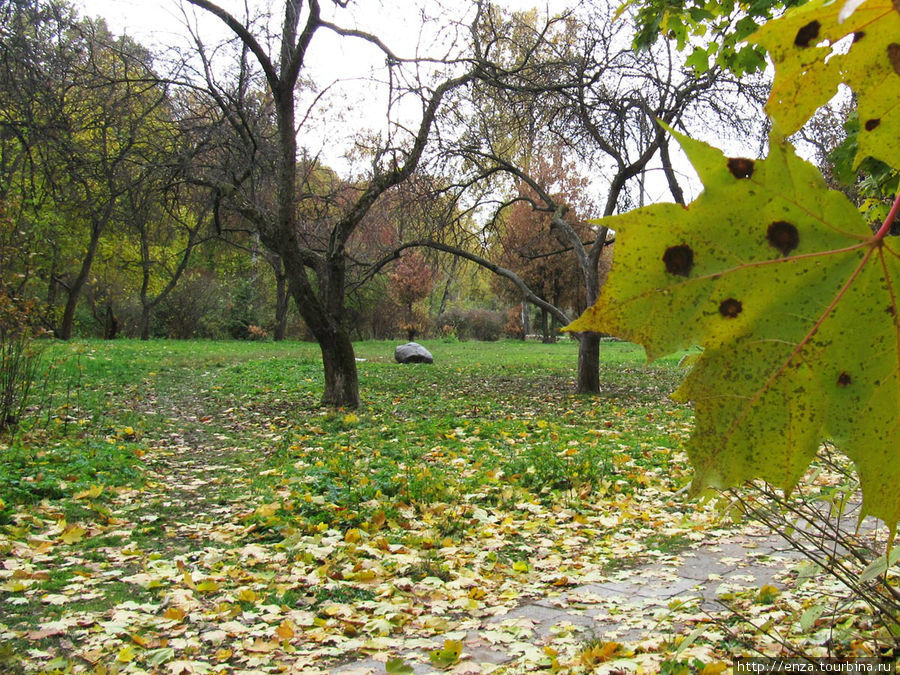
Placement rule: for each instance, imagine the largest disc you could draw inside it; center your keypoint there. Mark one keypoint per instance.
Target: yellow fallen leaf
(73, 535)
(174, 614)
(714, 668)
(267, 510)
(126, 654)
(91, 493)
(351, 419)
(247, 595)
(14, 586)
(599, 653)
(223, 654)
(141, 641)
(448, 656)
(285, 630)
(352, 536)
(261, 646)
(208, 586)
(520, 566)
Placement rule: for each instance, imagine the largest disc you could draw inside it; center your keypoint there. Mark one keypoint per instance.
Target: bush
(194, 309)
(477, 324)
(19, 359)
(514, 327)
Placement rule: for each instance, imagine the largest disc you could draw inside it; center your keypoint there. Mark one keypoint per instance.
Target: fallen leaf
(73, 535)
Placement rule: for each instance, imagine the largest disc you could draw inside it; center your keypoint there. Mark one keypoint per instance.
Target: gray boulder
(413, 352)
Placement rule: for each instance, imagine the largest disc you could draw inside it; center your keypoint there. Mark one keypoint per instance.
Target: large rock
(413, 352)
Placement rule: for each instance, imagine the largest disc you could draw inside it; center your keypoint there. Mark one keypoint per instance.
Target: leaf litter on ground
(266, 535)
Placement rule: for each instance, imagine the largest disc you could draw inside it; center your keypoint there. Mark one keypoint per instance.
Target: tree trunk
(545, 327)
(68, 321)
(588, 363)
(146, 312)
(341, 380)
(110, 324)
(282, 300)
(526, 328)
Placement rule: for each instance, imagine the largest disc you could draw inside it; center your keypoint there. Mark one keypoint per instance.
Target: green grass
(484, 415)
(485, 429)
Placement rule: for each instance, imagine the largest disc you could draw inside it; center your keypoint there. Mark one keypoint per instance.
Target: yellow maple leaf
(261, 646)
(174, 614)
(208, 586)
(73, 535)
(267, 510)
(126, 654)
(247, 595)
(285, 630)
(600, 653)
(91, 493)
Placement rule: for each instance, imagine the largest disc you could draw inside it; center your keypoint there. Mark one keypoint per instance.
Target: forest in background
(136, 186)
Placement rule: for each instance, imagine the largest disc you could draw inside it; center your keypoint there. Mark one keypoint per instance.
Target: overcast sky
(161, 24)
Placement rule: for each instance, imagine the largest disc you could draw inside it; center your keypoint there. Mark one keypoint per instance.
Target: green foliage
(721, 27)
(29, 474)
(808, 69)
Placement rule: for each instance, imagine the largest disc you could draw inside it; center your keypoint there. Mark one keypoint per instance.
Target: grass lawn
(176, 503)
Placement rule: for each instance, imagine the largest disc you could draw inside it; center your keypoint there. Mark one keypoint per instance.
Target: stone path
(618, 609)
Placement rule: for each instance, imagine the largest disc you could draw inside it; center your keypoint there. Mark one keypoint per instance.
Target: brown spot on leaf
(740, 167)
(783, 236)
(893, 52)
(872, 124)
(730, 308)
(679, 260)
(844, 379)
(807, 34)
(858, 35)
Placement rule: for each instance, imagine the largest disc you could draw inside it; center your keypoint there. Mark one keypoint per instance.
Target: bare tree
(573, 85)
(315, 263)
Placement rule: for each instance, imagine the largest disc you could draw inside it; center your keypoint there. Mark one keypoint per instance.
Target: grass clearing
(179, 484)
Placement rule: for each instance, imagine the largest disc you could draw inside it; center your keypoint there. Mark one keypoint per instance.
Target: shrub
(19, 359)
(477, 324)
(194, 309)
(514, 327)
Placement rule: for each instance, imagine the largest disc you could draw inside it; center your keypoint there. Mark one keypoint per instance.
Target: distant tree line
(184, 194)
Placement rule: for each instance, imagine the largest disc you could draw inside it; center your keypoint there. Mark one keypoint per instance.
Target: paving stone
(623, 607)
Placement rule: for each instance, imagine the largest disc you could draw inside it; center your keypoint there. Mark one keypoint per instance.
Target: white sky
(160, 24)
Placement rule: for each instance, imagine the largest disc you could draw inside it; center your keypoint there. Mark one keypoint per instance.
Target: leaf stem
(886, 227)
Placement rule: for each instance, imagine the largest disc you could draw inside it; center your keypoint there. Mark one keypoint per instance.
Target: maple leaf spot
(741, 167)
(783, 236)
(679, 260)
(807, 34)
(730, 308)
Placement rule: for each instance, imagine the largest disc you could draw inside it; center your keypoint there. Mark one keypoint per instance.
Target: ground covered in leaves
(188, 508)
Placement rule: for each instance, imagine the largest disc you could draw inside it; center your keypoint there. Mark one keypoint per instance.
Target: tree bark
(524, 314)
(74, 290)
(545, 328)
(588, 363)
(341, 379)
(282, 301)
